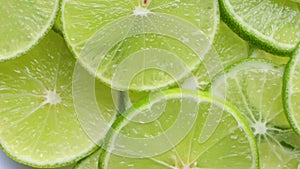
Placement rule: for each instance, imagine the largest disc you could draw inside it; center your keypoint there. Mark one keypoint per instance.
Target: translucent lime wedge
(23, 24)
(254, 87)
(38, 122)
(228, 48)
(164, 40)
(171, 129)
(291, 90)
(271, 25)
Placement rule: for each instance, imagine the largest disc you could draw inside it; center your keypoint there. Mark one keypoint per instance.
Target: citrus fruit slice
(23, 24)
(38, 122)
(164, 40)
(254, 87)
(171, 129)
(291, 91)
(228, 48)
(271, 25)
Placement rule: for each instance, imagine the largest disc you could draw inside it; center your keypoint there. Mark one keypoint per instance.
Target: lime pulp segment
(175, 129)
(23, 24)
(38, 122)
(165, 40)
(271, 25)
(254, 87)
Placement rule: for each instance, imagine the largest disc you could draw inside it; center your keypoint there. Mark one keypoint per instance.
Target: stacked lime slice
(175, 129)
(254, 87)
(38, 122)
(271, 25)
(164, 40)
(23, 24)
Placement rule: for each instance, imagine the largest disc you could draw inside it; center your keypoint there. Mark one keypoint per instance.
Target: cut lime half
(140, 45)
(38, 122)
(254, 87)
(175, 129)
(271, 25)
(23, 24)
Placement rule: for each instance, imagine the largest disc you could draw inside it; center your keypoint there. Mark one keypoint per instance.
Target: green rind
(203, 95)
(248, 36)
(42, 35)
(285, 89)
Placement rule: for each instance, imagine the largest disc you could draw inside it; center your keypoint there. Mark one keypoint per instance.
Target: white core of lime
(254, 87)
(168, 37)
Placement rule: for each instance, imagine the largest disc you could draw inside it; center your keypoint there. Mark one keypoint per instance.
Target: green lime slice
(279, 60)
(38, 122)
(254, 87)
(228, 48)
(175, 129)
(164, 40)
(291, 91)
(271, 25)
(23, 24)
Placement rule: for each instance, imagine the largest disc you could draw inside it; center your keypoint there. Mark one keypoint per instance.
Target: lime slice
(228, 48)
(23, 24)
(254, 87)
(271, 25)
(279, 60)
(171, 129)
(291, 91)
(164, 40)
(38, 123)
